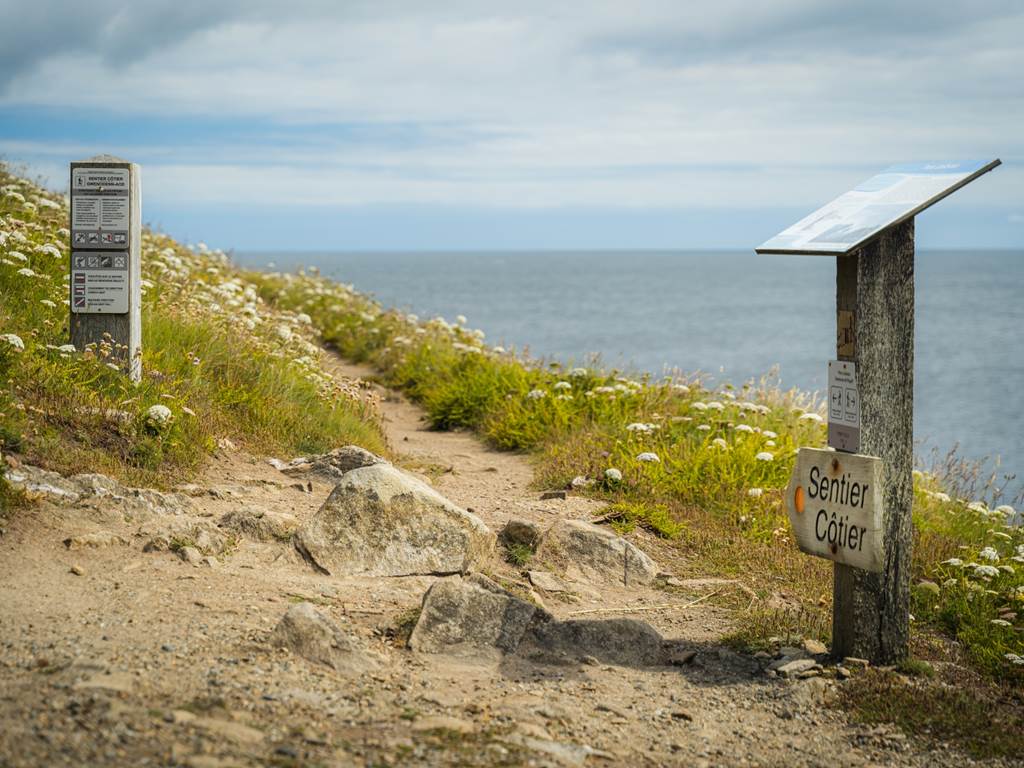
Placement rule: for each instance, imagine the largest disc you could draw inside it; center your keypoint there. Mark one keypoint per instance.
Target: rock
(332, 466)
(118, 682)
(190, 555)
(547, 581)
(853, 661)
(472, 616)
(379, 521)
(77, 570)
(522, 532)
(815, 647)
(261, 524)
(237, 732)
(793, 668)
(443, 723)
(597, 552)
(625, 642)
(306, 632)
(97, 539)
(553, 495)
(210, 561)
(680, 658)
(174, 532)
(843, 673)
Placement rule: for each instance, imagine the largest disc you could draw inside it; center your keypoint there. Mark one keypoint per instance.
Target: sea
(729, 316)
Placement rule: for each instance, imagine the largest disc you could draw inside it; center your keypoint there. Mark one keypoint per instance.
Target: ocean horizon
(729, 316)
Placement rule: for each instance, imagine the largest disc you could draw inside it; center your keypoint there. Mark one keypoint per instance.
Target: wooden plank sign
(834, 502)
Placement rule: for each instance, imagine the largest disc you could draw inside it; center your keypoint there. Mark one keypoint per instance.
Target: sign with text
(843, 406)
(99, 281)
(100, 202)
(834, 501)
(896, 194)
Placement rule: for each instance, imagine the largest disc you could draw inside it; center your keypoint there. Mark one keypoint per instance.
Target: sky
(392, 125)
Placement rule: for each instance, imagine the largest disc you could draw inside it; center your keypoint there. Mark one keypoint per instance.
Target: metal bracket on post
(106, 255)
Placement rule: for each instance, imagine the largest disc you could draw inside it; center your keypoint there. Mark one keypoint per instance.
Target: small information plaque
(843, 406)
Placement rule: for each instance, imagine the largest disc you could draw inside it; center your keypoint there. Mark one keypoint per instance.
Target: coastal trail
(136, 630)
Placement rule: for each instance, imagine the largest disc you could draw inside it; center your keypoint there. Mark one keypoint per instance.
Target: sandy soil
(143, 659)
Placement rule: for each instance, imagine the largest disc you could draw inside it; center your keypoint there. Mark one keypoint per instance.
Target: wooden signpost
(852, 504)
(105, 291)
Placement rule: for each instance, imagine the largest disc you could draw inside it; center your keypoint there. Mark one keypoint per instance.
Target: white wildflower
(303, 318)
(956, 562)
(986, 571)
(14, 341)
(714, 405)
(1006, 510)
(536, 394)
(49, 249)
(1000, 622)
(27, 272)
(769, 434)
(769, 443)
(1013, 658)
(719, 442)
(613, 475)
(159, 415)
(285, 333)
(498, 350)
(681, 388)
(755, 493)
(744, 428)
(18, 255)
(461, 319)
(648, 457)
(67, 349)
(578, 373)
(699, 406)
(641, 427)
(765, 456)
(988, 553)
(978, 506)
(704, 427)
(816, 418)
(48, 303)
(562, 385)
(940, 496)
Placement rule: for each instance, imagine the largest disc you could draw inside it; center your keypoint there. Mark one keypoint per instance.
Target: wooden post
(870, 617)
(106, 249)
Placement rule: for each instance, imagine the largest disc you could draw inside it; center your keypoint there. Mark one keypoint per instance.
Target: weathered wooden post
(106, 249)
(853, 506)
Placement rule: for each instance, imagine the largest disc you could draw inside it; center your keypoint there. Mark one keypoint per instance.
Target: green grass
(223, 362)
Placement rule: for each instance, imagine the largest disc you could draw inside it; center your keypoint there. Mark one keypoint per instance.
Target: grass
(223, 362)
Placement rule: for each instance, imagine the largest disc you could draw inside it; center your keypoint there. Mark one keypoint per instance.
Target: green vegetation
(703, 469)
(217, 363)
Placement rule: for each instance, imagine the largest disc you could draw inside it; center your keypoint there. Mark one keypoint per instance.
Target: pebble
(78, 570)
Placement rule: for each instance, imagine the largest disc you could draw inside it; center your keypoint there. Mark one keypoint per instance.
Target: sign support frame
(870, 611)
(124, 328)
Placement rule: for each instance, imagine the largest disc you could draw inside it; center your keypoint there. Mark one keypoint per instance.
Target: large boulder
(306, 632)
(472, 616)
(597, 552)
(379, 521)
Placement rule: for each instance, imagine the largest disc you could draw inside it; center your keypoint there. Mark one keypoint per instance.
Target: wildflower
(461, 319)
(113, 366)
(704, 427)
(1006, 510)
(577, 373)
(940, 496)
(648, 457)
(1000, 622)
(498, 350)
(719, 442)
(698, 406)
(956, 562)
(67, 349)
(536, 394)
(18, 255)
(681, 388)
(978, 506)
(159, 415)
(744, 428)
(986, 571)
(612, 475)
(50, 250)
(1013, 658)
(765, 456)
(769, 434)
(1006, 569)
(714, 405)
(755, 493)
(562, 385)
(303, 318)
(641, 428)
(604, 390)
(27, 272)
(769, 443)
(816, 418)
(48, 303)
(988, 553)
(14, 341)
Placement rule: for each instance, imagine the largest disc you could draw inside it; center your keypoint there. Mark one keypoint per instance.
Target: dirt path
(112, 655)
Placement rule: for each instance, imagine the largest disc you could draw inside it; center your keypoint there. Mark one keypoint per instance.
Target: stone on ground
(546, 581)
(261, 524)
(467, 617)
(626, 642)
(597, 552)
(332, 466)
(379, 521)
(308, 633)
(95, 540)
(520, 532)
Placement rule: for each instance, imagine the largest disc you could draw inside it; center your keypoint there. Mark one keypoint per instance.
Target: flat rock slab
(331, 466)
(547, 582)
(308, 633)
(467, 617)
(597, 552)
(261, 524)
(625, 642)
(379, 521)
